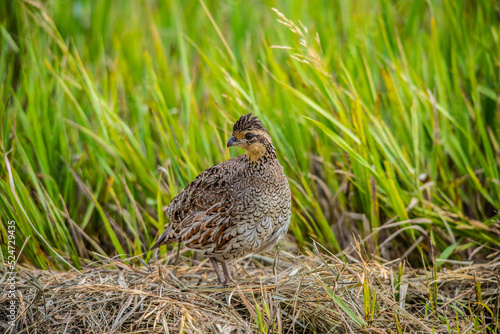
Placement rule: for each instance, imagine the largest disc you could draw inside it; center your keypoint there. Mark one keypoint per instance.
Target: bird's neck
(261, 155)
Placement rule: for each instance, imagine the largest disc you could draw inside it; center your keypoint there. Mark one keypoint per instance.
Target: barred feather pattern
(233, 209)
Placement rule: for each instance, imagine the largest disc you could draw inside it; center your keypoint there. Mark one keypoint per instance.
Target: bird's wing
(208, 230)
(209, 188)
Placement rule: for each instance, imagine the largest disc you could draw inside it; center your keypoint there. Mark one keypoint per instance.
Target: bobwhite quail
(239, 207)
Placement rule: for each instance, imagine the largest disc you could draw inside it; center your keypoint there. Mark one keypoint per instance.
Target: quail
(239, 207)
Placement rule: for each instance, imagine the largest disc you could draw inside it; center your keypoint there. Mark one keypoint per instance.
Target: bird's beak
(232, 142)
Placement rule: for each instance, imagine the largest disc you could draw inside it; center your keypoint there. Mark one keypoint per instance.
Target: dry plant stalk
(309, 293)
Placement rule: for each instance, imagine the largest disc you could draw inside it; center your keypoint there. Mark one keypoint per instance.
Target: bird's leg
(177, 257)
(226, 271)
(221, 277)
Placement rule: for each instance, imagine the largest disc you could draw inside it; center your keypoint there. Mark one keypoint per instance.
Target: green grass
(381, 111)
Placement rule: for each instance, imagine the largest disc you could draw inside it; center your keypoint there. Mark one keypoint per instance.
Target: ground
(313, 293)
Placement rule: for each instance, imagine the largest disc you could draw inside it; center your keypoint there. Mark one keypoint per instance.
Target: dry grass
(307, 293)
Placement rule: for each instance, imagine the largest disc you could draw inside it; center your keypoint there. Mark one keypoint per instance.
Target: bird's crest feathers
(248, 123)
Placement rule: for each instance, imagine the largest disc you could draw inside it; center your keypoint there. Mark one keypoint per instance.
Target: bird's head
(250, 135)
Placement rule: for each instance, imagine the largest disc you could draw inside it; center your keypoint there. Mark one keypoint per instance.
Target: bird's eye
(249, 136)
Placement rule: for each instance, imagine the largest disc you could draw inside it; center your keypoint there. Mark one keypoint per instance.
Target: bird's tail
(165, 238)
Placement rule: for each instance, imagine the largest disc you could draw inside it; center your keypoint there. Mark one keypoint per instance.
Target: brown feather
(238, 207)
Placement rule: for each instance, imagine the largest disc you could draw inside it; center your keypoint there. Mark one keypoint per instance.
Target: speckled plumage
(239, 207)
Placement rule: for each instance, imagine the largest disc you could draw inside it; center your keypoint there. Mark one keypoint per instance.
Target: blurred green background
(385, 115)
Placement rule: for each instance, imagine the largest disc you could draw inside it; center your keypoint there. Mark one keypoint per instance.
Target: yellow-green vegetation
(386, 117)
